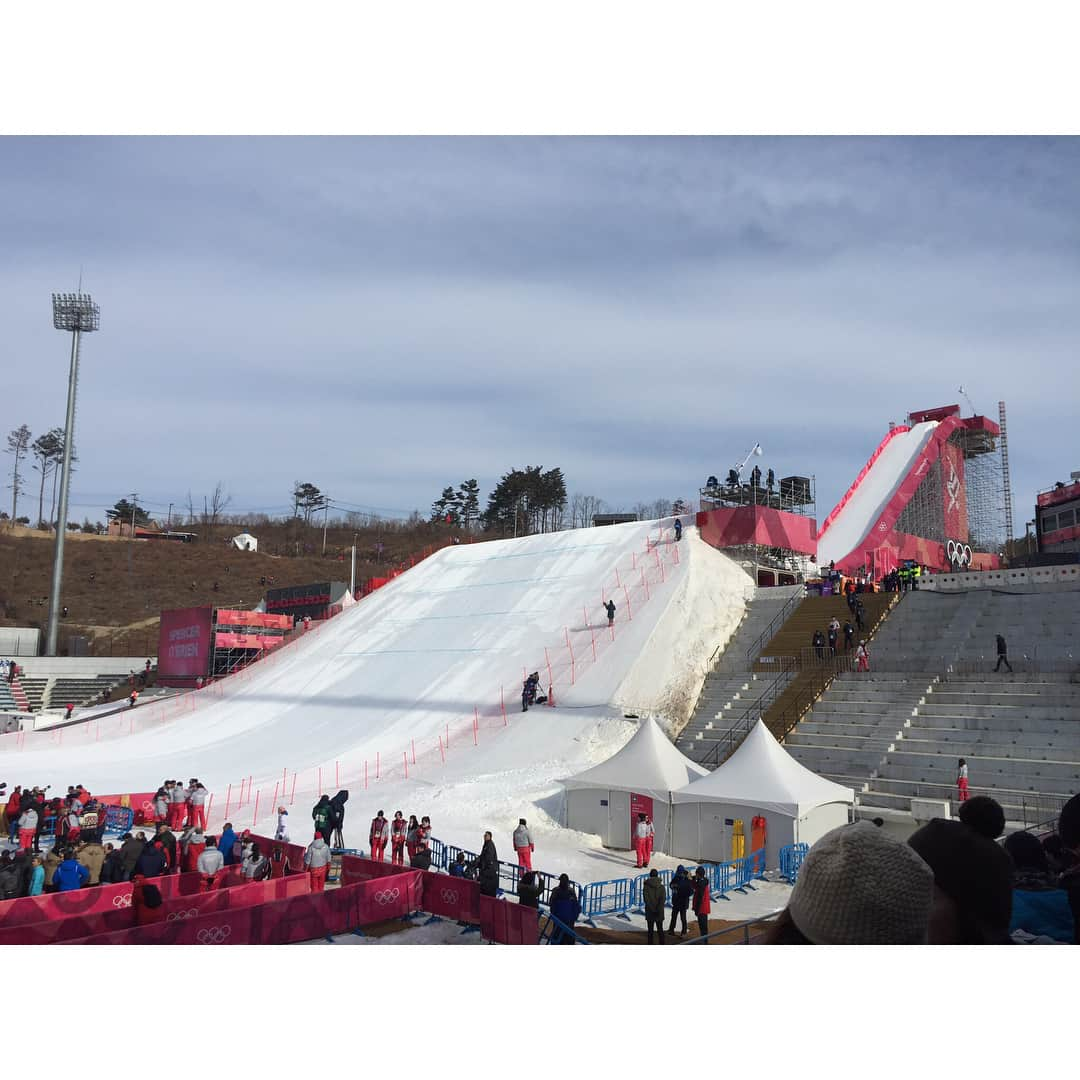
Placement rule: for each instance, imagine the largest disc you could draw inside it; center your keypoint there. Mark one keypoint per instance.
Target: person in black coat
(682, 892)
(529, 890)
(152, 861)
(168, 842)
(130, 850)
(487, 866)
(112, 869)
(337, 819)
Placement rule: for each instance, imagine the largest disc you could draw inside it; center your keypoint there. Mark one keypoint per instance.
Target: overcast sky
(385, 317)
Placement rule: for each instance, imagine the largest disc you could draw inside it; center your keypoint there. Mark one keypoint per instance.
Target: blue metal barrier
(554, 931)
(438, 854)
(725, 879)
(791, 858)
(637, 886)
(119, 819)
(606, 898)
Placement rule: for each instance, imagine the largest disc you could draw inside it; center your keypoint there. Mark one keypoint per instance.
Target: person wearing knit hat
(984, 815)
(859, 886)
(972, 884)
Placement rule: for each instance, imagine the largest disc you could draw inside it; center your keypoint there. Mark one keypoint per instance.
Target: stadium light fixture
(76, 314)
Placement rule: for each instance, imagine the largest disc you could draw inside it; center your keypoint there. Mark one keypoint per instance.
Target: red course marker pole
(228, 800)
(255, 816)
(442, 752)
(292, 797)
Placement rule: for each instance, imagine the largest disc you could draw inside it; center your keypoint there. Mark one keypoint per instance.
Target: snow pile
(435, 648)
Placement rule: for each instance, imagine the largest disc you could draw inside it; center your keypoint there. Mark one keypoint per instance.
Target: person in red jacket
(650, 838)
(640, 838)
(380, 833)
(702, 901)
(398, 830)
(278, 862)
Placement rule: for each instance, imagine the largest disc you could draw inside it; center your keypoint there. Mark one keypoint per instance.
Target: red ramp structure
(932, 492)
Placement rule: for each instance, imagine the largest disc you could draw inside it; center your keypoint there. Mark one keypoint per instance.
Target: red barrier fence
(294, 853)
(298, 918)
(355, 868)
(508, 924)
(121, 919)
(50, 906)
(451, 897)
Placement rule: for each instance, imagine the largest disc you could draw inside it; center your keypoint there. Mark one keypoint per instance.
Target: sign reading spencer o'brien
(184, 643)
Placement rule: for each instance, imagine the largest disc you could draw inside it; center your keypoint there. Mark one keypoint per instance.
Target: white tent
(760, 779)
(245, 542)
(606, 798)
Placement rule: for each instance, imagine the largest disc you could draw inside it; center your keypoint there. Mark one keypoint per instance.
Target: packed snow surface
(440, 650)
(850, 527)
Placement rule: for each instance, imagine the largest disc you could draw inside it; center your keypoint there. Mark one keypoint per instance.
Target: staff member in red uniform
(641, 834)
(380, 833)
(398, 830)
(702, 900)
(523, 844)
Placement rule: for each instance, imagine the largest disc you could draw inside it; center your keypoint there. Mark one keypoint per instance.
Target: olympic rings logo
(191, 913)
(122, 901)
(959, 554)
(449, 896)
(216, 935)
(387, 896)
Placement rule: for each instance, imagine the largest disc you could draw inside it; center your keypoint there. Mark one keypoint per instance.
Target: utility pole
(326, 511)
(134, 503)
(168, 527)
(77, 314)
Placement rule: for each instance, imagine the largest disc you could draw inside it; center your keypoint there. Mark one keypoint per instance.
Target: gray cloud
(388, 316)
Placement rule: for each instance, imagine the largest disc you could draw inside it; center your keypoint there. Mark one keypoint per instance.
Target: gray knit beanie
(859, 886)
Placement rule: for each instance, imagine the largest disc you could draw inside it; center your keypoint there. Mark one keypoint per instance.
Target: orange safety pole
(413, 742)
(405, 758)
(442, 752)
(292, 797)
(255, 816)
(228, 800)
(629, 607)
(502, 705)
(592, 634)
(209, 808)
(475, 724)
(275, 796)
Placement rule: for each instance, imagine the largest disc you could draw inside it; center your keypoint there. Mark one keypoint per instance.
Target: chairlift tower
(76, 314)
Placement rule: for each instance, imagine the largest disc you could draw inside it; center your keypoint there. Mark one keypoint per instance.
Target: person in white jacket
(161, 806)
(178, 798)
(197, 805)
(28, 823)
(641, 841)
(256, 867)
(282, 831)
(317, 860)
(523, 844)
(209, 864)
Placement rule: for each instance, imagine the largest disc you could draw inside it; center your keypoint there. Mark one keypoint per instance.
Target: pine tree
(18, 441)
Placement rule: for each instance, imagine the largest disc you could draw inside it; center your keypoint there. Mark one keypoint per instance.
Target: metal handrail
(749, 716)
(770, 631)
(743, 926)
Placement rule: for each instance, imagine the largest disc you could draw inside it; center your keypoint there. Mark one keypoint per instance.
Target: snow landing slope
(437, 652)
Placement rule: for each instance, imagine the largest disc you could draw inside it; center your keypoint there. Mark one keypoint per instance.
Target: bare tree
(18, 441)
(219, 502)
(582, 509)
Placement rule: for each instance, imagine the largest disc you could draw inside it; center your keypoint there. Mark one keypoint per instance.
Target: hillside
(114, 589)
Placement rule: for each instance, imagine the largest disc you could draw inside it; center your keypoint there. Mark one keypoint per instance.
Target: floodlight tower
(77, 314)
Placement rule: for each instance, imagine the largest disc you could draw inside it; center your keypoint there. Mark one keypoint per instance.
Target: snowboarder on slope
(678, 537)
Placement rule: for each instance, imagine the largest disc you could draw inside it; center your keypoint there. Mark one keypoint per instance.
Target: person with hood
(256, 866)
(398, 831)
(654, 896)
(702, 900)
(1039, 907)
(337, 819)
(130, 850)
(70, 874)
(147, 903)
(487, 866)
(193, 847)
(320, 815)
(10, 888)
(210, 863)
(152, 861)
(973, 884)
(379, 834)
(682, 892)
(523, 844)
(529, 890)
(317, 860)
(112, 867)
(566, 907)
(609, 607)
(227, 842)
(92, 856)
(411, 834)
(279, 863)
